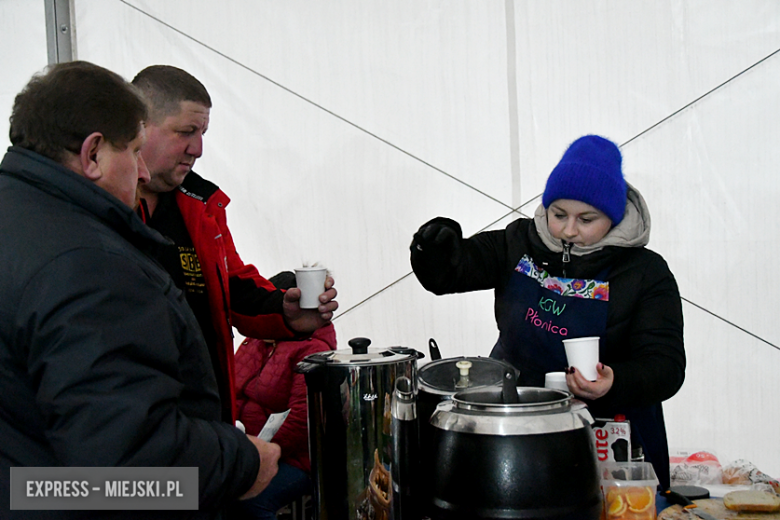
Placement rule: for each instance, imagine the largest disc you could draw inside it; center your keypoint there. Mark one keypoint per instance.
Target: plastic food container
(629, 490)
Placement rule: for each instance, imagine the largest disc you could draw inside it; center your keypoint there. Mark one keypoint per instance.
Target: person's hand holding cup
(583, 354)
(311, 282)
(311, 304)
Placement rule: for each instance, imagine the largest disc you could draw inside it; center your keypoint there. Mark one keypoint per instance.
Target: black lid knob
(359, 345)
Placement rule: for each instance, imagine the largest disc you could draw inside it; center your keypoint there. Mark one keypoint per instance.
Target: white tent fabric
(339, 127)
(23, 40)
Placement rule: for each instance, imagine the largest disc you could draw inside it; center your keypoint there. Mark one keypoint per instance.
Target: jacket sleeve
(292, 436)
(649, 360)
(476, 264)
(248, 361)
(255, 304)
(105, 339)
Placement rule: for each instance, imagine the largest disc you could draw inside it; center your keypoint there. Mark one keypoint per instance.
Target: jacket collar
(198, 188)
(60, 182)
(633, 230)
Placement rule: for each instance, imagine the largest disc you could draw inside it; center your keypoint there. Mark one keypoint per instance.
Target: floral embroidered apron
(542, 311)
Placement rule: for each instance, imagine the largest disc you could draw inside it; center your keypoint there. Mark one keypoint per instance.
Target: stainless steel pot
(534, 459)
(363, 431)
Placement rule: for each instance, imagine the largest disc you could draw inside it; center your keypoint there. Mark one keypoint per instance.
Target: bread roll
(752, 501)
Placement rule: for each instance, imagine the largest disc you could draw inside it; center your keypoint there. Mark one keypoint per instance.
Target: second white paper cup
(556, 380)
(583, 354)
(311, 282)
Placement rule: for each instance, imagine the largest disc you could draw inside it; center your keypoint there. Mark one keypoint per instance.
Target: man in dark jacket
(190, 210)
(102, 362)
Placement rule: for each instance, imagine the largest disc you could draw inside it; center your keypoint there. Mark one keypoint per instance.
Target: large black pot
(439, 380)
(534, 459)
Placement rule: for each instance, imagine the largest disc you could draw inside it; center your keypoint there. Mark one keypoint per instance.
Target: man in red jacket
(222, 291)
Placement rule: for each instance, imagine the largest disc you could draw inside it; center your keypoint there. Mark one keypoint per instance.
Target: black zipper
(566, 256)
(225, 305)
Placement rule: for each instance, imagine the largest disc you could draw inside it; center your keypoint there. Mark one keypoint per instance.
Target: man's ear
(88, 157)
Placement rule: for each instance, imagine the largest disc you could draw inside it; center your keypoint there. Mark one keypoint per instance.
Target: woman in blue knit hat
(578, 268)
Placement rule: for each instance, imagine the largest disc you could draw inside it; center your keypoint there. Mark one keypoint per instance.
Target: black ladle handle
(509, 390)
(434, 348)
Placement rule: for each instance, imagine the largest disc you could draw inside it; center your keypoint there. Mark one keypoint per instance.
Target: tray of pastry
(716, 508)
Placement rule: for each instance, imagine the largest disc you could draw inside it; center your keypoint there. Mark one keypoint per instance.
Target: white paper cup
(583, 354)
(556, 380)
(311, 282)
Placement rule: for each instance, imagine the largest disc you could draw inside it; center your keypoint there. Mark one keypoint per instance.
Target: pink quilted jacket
(266, 384)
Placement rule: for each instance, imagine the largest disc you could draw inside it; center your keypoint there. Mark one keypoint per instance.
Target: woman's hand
(581, 387)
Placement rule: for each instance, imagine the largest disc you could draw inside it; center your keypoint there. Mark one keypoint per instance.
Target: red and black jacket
(238, 296)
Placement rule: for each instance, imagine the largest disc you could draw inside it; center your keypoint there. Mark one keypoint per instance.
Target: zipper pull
(566, 255)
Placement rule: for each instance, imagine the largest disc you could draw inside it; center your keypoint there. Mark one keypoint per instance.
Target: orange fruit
(616, 507)
(640, 499)
(612, 492)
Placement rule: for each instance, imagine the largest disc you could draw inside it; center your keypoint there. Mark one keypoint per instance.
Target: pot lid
(444, 375)
(361, 354)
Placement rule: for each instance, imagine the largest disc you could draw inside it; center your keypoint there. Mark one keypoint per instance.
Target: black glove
(441, 237)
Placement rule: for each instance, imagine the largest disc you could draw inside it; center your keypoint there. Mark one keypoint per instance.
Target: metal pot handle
(407, 351)
(304, 367)
(580, 409)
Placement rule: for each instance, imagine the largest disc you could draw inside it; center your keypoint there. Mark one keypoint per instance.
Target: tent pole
(60, 31)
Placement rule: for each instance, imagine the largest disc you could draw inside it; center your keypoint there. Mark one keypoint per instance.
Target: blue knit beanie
(590, 172)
